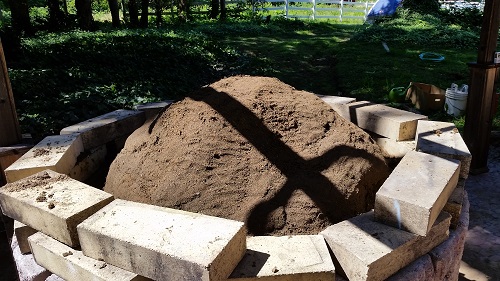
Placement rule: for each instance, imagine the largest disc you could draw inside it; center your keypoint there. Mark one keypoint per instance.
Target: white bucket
(455, 103)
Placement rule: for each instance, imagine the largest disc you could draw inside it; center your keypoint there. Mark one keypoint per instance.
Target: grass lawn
(63, 78)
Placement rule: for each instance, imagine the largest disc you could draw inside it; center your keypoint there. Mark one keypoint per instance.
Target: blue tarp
(384, 8)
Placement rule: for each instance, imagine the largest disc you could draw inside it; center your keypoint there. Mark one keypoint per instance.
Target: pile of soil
(256, 150)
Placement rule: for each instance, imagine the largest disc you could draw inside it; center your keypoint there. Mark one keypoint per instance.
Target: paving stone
(443, 139)
(71, 264)
(108, 127)
(420, 270)
(162, 243)
(88, 163)
(57, 153)
(151, 109)
(416, 191)
(447, 256)
(454, 206)
(393, 149)
(22, 233)
(285, 258)
(52, 203)
(364, 249)
(388, 122)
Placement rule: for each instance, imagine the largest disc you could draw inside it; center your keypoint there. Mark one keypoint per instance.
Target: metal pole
(479, 110)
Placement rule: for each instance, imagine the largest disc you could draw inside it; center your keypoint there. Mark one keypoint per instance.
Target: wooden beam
(9, 124)
(481, 96)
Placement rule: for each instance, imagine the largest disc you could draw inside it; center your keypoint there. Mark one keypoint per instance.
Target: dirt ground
(256, 150)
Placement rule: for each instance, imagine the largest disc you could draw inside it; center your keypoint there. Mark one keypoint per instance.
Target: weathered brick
(153, 108)
(420, 270)
(389, 122)
(162, 243)
(338, 104)
(414, 194)
(393, 149)
(57, 153)
(443, 139)
(52, 203)
(285, 258)
(108, 127)
(22, 233)
(364, 249)
(454, 206)
(71, 264)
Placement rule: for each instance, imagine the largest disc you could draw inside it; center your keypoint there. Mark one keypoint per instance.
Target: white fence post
(314, 9)
(341, 9)
(286, 8)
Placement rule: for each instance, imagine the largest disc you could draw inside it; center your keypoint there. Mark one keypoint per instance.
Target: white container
(455, 103)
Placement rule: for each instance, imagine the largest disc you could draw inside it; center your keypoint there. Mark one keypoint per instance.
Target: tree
(144, 13)
(218, 7)
(56, 15)
(84, 14)
(115, 12)
(422, 6)
(133, 13)
(159, 12)
(183, 8)
(20, 14)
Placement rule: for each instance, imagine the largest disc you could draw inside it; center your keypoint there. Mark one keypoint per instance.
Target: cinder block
(447, 256)
(444, 140)
(393, 149)
(153, 108)
(338, 104)
(416, 191)
(108, 127)
(364, 249)
(163, 244)
(71, 264)
(22, 233)
(454, 206)
(52, 203)
(285, 258)
(420, 270)
(88, 163)
(57, 153)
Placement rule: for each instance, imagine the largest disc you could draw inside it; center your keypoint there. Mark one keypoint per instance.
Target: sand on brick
(256, 150)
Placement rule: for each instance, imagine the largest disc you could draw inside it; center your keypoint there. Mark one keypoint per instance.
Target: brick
(416, 191)
(285, 258)
(444, 140)
(108, 127)
(88, 163)
(454, 206)
(71, 264)
(22, 233)
(153, 108)
(52, 203)
(393, 149)
(57, 153)
(446, 257)
(364, 249)
(162, 243)
(388, 122)
(420, 270)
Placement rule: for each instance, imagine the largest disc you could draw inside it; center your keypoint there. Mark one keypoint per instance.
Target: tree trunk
(144, 13)
(115, 12)
(223, 11)
(158, 12)
(133, 13)
(65, 7)
(55, 14)
(214, 12)
(84, 14)
(183, 10)
(20, 16)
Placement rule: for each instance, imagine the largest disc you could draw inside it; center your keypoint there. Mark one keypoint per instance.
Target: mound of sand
(256, 150)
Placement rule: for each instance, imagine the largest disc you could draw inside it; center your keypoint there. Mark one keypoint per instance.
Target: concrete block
(9, 155)
(88, 163)
(71, 264)
(420, 270)
(105, 128)
(27, 268)
(163, 244)
(151, 109)
(393, 149)
(443, 139)
(416, 191)
(22, 233)
(447, 256)
(364, 249)
(389, 122)
(285, 258)
(454, 206)
(57, 153)
(52, 203)
(338, 104)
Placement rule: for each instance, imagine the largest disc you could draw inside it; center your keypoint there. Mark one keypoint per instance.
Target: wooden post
(481, 96)
(9, 125)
